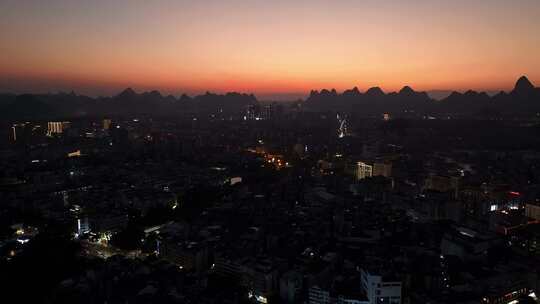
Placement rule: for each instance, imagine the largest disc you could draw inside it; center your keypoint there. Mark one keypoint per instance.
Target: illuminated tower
(343, 126)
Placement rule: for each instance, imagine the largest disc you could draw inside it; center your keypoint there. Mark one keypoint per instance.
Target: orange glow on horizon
(267, 47)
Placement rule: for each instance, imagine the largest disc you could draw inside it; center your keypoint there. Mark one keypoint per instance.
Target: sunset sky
(273, 48)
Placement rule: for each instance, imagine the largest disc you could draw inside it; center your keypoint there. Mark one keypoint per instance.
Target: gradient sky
(272, 48)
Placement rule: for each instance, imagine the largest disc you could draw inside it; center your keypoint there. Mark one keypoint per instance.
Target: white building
(17, 130)
(363, 170)
(379, 290)
(318, 295)
(83, 226)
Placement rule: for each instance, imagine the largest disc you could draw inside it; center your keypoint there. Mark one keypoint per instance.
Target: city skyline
(275, 50)
(270, 151)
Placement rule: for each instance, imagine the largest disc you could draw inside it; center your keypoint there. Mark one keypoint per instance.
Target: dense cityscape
(232, 200)
(270, 152)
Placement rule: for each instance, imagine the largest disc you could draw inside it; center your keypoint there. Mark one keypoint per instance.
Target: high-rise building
(290, 286)
(259, 112)
(17, 131)
(251, 112)
(54, 127)
(379, 289)
(343, 129)
(57, 127)
(267, 111)
(319, 295)
(83, 226)
(363, 170)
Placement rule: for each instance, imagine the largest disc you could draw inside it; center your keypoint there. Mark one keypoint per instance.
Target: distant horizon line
(436, 94)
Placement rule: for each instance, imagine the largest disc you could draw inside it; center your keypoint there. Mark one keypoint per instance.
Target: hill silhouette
(127, 102)
(524, 99)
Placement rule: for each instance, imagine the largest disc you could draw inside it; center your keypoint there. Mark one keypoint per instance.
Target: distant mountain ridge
(524, 99)
(127, 102)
